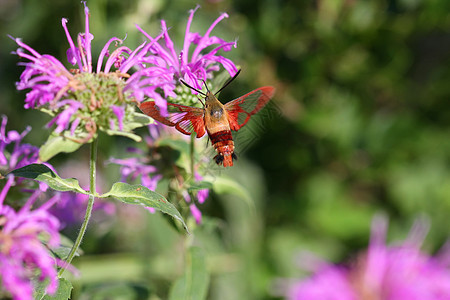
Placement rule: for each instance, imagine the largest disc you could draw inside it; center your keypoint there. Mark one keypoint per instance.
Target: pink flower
(20, 154)
(134, 167)
(383, 272)
(329, 282)
(169, 64)
(22, 254)
(72, 96)
(70, 209)
(201, 194)
(13, 155)
(196, 213)
(21, 250)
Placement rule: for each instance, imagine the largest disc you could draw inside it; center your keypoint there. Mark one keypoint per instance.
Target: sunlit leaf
(43, 173)
(127, 134)
(57, 143)
(139, 194)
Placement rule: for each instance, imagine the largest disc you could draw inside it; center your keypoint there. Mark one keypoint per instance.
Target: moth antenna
(204, 82)
(228, 82)
(191, 87)
(199, 99)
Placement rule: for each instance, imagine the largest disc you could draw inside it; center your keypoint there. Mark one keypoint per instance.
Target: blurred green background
(360, 124)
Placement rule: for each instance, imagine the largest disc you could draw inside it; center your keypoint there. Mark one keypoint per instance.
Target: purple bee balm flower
(63, 119)
(169, 64)
(86, 98)
(21, 154)
(22, 253)
(141, 168)
(132, 168)
(14, 154)
(329, 282)
(383, 272)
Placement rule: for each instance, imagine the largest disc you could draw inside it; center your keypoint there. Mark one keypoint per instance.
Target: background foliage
(360, 124)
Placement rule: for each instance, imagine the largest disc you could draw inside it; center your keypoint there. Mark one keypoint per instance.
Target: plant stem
(192, 152)
(87, 216)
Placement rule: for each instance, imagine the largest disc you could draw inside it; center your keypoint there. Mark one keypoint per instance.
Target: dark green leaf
(138, 194)
(62, 293)
(180, 145)
(43, 173)
(123, 290)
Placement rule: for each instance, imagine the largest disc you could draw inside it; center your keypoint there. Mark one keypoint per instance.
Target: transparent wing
(241, 109)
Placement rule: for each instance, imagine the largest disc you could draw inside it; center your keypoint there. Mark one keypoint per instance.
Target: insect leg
(218, 159)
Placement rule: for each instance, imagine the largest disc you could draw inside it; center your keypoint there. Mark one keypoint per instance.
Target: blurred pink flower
(70, 209)
(196, 213)
(22, 254)
(400, 272)
(203, 194)
(136, 167)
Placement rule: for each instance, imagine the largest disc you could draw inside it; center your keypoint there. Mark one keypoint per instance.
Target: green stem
(92, 193)
(192, 153)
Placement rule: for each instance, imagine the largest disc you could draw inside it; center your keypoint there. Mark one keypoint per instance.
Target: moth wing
(241, 109)
(185, 119)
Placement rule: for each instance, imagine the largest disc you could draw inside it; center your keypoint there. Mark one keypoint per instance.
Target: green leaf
(123, 290)
(43, 173)
(62, 293)
(224, 185)
(177, 292)
(199, 185)
(194, 284)
(57, 143)
(139, 194)
(127, 134)
(139, 120)
(63, 250)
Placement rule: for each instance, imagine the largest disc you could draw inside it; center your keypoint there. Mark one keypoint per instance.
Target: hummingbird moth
(214, 118)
